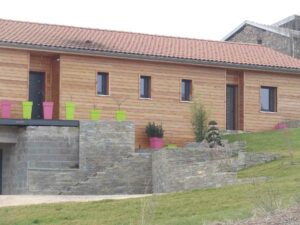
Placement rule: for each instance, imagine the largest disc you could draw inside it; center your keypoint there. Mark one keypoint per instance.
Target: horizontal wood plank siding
(78, 82)
(73, 78)
(288, 102)
(14, 67)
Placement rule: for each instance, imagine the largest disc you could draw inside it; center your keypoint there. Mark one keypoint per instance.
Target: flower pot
(48, 110)
(70, 110)
(156, 142)
(280, 126)
(95, 115)
(171, 146)
(121, 115)
(5, 109)
(27, 109)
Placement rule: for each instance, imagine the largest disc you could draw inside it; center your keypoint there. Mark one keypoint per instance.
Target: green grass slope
(187, 208)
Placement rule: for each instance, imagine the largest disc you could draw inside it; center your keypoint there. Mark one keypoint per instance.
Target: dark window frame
(104, 91)
(272, 99)
(146, 92)
(186, 90)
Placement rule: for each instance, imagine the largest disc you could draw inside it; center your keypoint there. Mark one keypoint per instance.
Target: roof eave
(152, 58)
(262, 27)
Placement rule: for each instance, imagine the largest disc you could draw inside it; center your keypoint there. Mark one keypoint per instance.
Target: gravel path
(16, 200)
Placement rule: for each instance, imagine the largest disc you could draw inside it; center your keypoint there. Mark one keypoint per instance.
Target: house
(283, 36)
(243, 86)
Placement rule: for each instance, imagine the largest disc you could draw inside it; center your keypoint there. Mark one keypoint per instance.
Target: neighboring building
(244, 86)
(283, 36)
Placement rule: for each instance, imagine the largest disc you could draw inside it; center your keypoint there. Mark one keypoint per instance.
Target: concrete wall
(14, 164)
(51, 160)
(36, 148)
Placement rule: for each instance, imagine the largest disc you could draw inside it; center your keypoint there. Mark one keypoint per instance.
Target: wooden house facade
(157, 78)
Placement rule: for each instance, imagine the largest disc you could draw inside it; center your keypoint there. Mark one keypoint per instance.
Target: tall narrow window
(145, 87)
(268, 99)
(186, 90)
(102, 83)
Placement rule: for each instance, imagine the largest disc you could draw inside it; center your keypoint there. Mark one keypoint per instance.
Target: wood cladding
(14, 78)
(288, 99)
(78, 82)
(73, 78)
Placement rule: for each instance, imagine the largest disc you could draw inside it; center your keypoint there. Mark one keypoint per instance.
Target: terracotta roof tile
(76, 38)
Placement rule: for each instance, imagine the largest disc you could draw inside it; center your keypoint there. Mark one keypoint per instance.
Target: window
(259, 41)
(102, 83)
(268, 99)
(186, 90)
(145, 87)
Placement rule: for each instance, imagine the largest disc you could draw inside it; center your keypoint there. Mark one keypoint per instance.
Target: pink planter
(5, 109)
(156, 142)
(48, 110)
(280, 126)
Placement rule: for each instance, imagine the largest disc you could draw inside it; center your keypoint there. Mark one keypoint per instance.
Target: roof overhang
(278, 30)
(286, 20)
(143, 57)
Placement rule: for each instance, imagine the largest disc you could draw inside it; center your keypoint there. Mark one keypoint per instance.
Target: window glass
(102, 83)
(268, 99)
(186, 90)
(145, 86)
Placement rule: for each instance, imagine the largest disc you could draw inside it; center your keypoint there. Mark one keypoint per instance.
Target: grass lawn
(187, 208)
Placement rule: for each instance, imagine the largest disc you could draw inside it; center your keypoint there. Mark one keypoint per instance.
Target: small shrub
(153, 130)
(213, 136)
(199, 120)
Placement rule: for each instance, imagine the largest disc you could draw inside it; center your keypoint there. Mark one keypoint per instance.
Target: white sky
(210, 19)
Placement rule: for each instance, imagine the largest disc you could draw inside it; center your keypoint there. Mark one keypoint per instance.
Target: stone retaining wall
(99, 158)
(196, 167)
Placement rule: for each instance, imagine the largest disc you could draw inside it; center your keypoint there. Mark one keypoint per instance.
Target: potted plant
(95, 114)
(48, 110)
(27, 109)
(121, 115)
(155, 134)
(5, 109)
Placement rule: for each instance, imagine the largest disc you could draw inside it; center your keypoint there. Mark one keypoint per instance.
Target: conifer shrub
(199, 120)
(213, 136)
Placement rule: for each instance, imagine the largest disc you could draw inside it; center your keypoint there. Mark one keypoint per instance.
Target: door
(231, 107)
(0, 171)
(36, 93)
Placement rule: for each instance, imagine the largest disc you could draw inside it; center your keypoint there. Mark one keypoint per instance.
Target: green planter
(27, 109)
(121, 115)
(95, 114)
(70, 110)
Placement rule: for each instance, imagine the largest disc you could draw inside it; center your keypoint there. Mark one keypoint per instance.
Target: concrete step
(52, 164)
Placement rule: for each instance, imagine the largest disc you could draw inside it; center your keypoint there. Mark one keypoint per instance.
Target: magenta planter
(5, 109)
(48, 110)
(280, 126)
(156, 142)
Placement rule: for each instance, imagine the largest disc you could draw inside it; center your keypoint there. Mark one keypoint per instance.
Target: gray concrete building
(283, 36)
